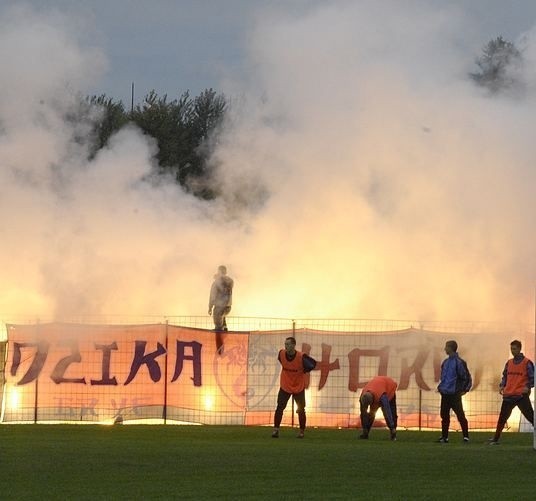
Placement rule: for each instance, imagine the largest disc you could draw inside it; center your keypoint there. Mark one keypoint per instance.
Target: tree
(208, 112)
(185, 130)
(499, 66)
(112, 117)
(168, 123)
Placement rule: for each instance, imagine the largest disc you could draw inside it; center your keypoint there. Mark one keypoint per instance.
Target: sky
(173, 46)
(364, 174)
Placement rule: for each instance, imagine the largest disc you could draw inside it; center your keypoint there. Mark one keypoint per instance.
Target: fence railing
(69, 376)
(269, 324)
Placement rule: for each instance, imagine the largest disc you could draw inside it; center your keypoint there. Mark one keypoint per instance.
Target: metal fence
(248, 324)
(414, 346)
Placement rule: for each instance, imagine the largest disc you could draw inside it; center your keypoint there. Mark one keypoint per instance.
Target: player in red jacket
(516, 383)
(294, 366)
(380, 391)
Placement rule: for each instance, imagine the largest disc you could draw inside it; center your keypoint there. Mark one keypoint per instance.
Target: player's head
(451, 347)
(222, 270)
(515, 347)
(366, 399)
(290, 344)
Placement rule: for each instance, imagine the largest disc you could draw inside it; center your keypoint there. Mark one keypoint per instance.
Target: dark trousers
(508, 405)
(218, 315)
(367, 418)
(282, 400)
(453, 402)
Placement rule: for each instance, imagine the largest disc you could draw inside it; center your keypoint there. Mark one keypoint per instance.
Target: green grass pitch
(225, 462)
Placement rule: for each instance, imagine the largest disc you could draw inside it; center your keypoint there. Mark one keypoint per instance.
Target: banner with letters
(129, 373)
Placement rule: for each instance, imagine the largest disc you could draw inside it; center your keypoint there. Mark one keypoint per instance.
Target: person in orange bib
(517, 380)
(294, 366)
(380, 391)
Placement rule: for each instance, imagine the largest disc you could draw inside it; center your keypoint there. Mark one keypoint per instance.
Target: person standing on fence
(517, 380)
(294, 366)
(221, 298)
(380, 391)
(455, 382)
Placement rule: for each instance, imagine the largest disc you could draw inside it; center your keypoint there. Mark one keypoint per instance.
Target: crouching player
(378, 392)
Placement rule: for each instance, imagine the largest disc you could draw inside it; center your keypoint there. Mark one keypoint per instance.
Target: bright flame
(14, 398)
(309, 399)
(209, 401)
(514, 421)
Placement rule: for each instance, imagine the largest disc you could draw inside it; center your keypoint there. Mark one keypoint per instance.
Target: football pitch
(230, 462)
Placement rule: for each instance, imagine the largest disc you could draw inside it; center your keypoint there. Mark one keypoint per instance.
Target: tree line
(184, 128)
(500, 67)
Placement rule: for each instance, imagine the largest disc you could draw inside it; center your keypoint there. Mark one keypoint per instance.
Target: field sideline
(226, 462)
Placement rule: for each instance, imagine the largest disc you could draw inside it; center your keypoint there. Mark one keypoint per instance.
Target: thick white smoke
(363, 175)
(397, 187)
(83, 237)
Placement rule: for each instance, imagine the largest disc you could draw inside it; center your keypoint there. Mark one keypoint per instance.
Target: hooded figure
(221, 298)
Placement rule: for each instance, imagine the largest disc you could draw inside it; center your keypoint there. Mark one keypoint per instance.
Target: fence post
(420, 409)
(164, 410)
(292, 405)
(35, 399)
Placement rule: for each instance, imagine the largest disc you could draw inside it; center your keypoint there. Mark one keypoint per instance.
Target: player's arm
(212, 298)
(308, 363)
(502, 384)
(365, 418)
(386, 409)
(530, 376)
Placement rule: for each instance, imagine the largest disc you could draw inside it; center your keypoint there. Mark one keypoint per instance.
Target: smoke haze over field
(363, 175)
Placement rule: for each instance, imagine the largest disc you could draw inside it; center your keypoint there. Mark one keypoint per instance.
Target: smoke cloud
(362, 175)
(397, 187)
